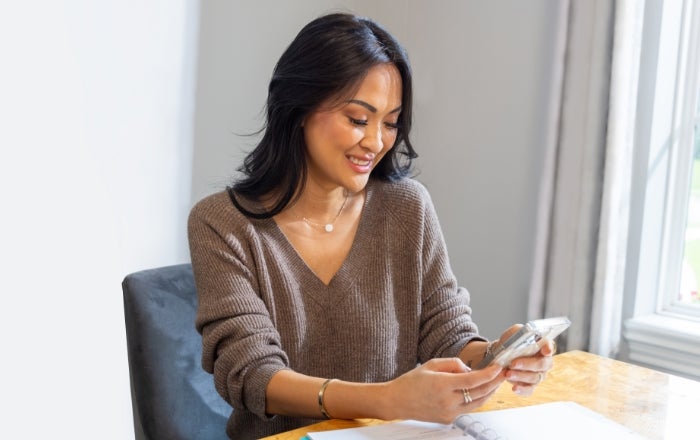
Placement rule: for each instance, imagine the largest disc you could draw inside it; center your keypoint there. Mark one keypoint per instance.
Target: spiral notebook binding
(475, 429)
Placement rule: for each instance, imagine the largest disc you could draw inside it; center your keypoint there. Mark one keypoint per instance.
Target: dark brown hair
(328, 58)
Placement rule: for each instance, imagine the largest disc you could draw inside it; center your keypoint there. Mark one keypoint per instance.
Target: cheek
(389, 139)
(350, 136)
(339, 136)
(389, 144)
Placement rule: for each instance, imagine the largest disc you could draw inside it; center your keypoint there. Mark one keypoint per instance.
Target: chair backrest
(172, 397)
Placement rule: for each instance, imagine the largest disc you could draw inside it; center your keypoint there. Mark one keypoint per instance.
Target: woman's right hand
(440, 390)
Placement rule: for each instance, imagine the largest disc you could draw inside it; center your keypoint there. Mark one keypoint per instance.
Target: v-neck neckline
(344, 275)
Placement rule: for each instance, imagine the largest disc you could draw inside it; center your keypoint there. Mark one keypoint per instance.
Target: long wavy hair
(327, 60)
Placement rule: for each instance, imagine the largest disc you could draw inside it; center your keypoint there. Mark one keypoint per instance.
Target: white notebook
(548, 421)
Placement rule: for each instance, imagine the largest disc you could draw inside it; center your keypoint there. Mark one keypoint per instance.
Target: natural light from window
(690, 278)
(663, 330)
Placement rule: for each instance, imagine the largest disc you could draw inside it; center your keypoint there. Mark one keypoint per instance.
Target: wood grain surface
(654, 404)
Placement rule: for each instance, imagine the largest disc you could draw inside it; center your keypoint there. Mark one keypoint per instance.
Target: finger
(522, 389)
(493, 375)
(525, 377)
(526, 386)
(447, 365)
(537, 362)
(549, 348)
(470, 399)
(474, 398)
(488, 395)
(483, 376)
(513, 329)
(466, 395)
(480, 390)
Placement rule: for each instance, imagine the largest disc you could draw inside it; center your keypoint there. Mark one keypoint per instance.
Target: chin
(357, 184)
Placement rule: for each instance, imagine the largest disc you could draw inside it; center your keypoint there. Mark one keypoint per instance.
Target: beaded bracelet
(321, 403)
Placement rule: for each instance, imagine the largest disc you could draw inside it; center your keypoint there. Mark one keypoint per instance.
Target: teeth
(357, 161)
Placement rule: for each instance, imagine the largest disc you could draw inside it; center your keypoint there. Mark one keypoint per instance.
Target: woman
(323, 278)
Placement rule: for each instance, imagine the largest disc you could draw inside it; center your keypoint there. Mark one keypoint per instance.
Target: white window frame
(681, 165)
(661, 332)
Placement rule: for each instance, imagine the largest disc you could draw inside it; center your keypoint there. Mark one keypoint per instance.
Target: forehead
(381, 87)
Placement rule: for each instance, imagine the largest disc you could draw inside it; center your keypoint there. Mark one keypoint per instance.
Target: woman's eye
(361, 122)
(392, 125)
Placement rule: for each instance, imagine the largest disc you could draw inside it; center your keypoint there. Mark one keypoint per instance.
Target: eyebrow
(370, 107)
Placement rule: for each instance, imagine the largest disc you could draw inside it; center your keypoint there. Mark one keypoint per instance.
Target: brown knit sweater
(394, 303)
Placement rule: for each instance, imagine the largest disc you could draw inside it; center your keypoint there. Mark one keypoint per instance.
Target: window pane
(690, 277)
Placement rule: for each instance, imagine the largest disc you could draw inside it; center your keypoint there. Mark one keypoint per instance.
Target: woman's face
(346, 141)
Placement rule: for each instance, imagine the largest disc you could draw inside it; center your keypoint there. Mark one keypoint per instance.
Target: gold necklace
(328, 227)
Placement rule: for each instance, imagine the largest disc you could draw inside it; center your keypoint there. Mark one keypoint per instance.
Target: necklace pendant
(328, 227)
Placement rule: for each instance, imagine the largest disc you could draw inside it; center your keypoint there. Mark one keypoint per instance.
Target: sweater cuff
(255, 388)
(457, 348)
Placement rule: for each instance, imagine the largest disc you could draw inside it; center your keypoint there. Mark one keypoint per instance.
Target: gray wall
(483, 74)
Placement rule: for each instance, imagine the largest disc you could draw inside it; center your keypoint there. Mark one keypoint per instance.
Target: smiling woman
(322, 273)
(345, 143)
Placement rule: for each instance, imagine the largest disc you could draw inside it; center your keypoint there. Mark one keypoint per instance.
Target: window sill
(666, 343)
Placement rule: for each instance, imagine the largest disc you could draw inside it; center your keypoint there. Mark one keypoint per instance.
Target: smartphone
(526, 341)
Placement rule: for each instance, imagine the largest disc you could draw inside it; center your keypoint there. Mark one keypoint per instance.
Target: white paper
(548, 421)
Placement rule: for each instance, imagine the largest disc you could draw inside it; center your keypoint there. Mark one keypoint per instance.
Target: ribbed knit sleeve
(241, 346)
(446, 325)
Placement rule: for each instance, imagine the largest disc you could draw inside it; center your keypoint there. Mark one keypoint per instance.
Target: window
(661, 288)
(680, 241)
(688, 295)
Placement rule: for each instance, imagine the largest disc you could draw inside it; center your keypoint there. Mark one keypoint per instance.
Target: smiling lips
(361, 165)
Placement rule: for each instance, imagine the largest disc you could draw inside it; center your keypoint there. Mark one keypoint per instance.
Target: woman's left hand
(525, 373)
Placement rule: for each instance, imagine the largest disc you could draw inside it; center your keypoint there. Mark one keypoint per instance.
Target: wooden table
(654, 404)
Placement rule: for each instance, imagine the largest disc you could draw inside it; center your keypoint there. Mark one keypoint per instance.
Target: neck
(320, 205)
(322, 212)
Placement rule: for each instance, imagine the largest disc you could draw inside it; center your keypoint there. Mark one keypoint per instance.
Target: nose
(372, 139)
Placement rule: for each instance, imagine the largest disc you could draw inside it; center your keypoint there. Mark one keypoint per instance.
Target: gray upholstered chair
(172, 397)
